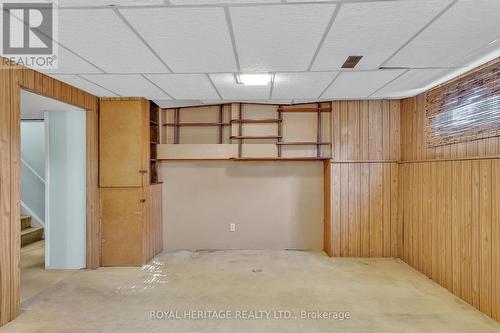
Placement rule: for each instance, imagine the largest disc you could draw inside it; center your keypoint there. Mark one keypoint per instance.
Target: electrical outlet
(232, 227)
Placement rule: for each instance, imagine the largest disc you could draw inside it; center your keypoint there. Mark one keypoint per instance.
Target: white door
(65, 233)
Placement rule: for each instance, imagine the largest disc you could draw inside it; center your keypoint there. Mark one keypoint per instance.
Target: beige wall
(275, 205)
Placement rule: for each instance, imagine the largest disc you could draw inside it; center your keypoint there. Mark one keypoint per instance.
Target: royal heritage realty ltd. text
(248, 315)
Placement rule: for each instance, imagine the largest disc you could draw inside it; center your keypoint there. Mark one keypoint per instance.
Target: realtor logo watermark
(29, 29)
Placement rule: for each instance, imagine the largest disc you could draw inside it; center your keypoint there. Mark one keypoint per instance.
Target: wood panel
(12, 79)
(122, 132)
(495, 239)
(327, 181)
(366, 130)
(451, 220)
(364, 210)
(364, 179)
(153, 226)
(124, 210)
(451, 194)
(6, 255)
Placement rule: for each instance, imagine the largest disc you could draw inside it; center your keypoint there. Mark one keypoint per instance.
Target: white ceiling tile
(212, 2)
(188, 39)
(481, 56)
(84, 85)
(231, 90)
(301, 85)
(351, 85)
(467, 26)
(70, 63)
(374, 30)
(411, 83)
(85, 3)
(185, 86)
(280, 37)
(272, 101)
(128, 85)
(101, 37)
(165, 104)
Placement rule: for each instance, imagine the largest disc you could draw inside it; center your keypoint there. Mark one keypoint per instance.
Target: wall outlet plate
(232, 227)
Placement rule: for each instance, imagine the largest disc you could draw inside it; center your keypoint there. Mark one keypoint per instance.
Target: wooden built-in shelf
(279, 159)
(292, 109)
(196, 124)
(154, 128)
(305, 143)
(262, 137)
(256, 121)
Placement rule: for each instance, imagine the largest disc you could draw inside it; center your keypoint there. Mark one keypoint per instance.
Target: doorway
(53, 192)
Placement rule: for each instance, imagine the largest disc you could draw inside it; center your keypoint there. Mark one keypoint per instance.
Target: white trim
(32, 214)
(31, 169)
(47, 187)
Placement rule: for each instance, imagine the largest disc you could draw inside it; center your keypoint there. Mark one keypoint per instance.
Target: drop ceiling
(188, 52)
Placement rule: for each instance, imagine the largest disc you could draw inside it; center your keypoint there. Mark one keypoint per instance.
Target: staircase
(29, 234)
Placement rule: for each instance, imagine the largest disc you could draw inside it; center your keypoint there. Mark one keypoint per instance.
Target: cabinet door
(122, 221)
(122, 144)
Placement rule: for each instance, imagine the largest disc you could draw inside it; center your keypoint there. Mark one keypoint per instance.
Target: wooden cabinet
(131, 217)
(124, 143)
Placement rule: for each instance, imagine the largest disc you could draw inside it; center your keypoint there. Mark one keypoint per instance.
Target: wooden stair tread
(31, 235)
(30, 230)
(25, 222)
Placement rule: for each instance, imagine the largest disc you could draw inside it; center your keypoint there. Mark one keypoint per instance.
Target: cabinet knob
(142, 200)
(143, 171)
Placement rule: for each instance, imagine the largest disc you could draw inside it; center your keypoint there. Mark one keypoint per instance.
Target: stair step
(25, 222)
(31, 235)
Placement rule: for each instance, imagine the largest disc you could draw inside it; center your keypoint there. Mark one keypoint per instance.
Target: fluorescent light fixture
(254, 79)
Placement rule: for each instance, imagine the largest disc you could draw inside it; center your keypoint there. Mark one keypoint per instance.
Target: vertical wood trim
(365, 210)
(336, 210)
(5, 195)
(15, 200)
(485, 236)
(495, 240)
(344, 210)
(327, 204)
(93, 228)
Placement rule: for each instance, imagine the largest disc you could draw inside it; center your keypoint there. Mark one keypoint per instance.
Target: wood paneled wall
(450, 211)
(363, 180)
(12, 79)
(364, 221)
(366, 130)
(153, 223)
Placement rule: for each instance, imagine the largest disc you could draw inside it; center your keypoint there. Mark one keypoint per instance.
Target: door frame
(12, 80)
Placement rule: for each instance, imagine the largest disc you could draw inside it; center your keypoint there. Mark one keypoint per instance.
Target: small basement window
(466, 109)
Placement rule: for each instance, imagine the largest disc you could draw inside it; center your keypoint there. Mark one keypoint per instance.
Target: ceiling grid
(189, 51)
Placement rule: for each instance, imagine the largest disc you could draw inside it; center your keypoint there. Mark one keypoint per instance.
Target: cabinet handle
(143, 171)
(142, 200)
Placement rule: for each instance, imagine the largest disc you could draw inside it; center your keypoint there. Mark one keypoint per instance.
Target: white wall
(32, 170)
(275, 205)
(33, 145)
